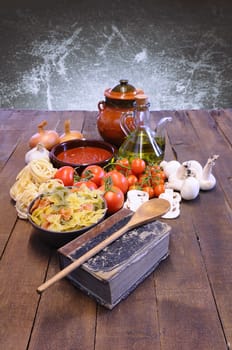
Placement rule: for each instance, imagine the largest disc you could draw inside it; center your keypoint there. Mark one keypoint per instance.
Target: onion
(48, 138)
(70, 134)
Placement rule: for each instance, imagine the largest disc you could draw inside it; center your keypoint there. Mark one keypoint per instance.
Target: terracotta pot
(118, 100)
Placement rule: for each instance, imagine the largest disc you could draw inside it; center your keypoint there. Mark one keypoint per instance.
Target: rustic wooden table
(185, 304)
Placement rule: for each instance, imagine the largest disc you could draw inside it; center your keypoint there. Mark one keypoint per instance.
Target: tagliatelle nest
(34, 179)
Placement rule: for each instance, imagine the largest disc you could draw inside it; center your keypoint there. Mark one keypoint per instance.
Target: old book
(111, 275)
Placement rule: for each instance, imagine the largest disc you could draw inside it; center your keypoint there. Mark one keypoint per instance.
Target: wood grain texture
(185, 304)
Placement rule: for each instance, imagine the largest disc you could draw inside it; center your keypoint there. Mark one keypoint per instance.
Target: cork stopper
(141, 101)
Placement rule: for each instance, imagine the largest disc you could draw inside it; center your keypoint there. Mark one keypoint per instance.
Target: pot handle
(101, 106)
(127, 122)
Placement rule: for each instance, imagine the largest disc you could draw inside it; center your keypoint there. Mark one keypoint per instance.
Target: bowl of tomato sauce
(80, 153)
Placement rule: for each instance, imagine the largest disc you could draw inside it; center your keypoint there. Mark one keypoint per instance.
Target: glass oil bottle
(140, 142)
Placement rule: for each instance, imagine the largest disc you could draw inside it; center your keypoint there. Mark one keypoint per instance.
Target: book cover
(112, 274)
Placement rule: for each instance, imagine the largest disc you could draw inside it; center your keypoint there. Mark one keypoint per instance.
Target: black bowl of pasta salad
(64, 214)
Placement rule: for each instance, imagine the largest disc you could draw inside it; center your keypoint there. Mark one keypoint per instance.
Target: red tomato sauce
(84, 155)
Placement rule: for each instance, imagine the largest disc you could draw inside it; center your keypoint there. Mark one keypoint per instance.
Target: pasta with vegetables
(68, 209)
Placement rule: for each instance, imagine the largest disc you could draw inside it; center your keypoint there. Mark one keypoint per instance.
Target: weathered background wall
(64, 54)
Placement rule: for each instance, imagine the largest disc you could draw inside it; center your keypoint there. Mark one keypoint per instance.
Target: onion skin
(48, 138)
(70, 134)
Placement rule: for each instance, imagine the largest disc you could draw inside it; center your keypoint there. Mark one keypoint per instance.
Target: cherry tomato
(122, 165)
(154, 168)
(135, 187)
(94, 173)
(66, 175)
(138, 166)
(163, 175)
(132, 180)
(156, 174)
(114, 198)
(117, 179)
(149, 190)
(158, 189)
(157, 180)
(145, 180)
(90, 184)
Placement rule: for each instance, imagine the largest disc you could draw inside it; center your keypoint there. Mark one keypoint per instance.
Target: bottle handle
(160, 128)
(127, 123)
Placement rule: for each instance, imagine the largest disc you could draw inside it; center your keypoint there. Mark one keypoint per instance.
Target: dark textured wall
(64, 54)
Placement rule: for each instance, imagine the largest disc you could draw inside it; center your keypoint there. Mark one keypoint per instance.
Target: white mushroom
(189, 177)
(190, 188)
(194, 168)
(208, 181)
(176, 179)
(169, 167)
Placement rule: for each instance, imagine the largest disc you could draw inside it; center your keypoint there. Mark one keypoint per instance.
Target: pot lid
(123, 91)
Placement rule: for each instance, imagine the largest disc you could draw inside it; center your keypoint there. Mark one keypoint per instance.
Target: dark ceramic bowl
(74, 145)
(58, 239)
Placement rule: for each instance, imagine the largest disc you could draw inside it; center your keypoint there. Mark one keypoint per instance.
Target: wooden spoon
(147, 212)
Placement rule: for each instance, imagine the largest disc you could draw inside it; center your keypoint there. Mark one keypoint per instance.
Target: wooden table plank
(191, 275)
(22, 268)
(90, 126)
(183, 278)
(4, 116)
(133, 323)
(182, 137)
(66, 317)
(224, 121)
(216, 144)
(214, 232)
(7, 178)
(189, 321)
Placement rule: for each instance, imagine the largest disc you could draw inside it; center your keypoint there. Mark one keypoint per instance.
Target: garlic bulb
(38, 152)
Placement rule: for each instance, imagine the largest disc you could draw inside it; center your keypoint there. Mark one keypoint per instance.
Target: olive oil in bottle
(140, 143)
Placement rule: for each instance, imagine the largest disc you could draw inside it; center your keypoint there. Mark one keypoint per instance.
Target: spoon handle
(68, 269)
